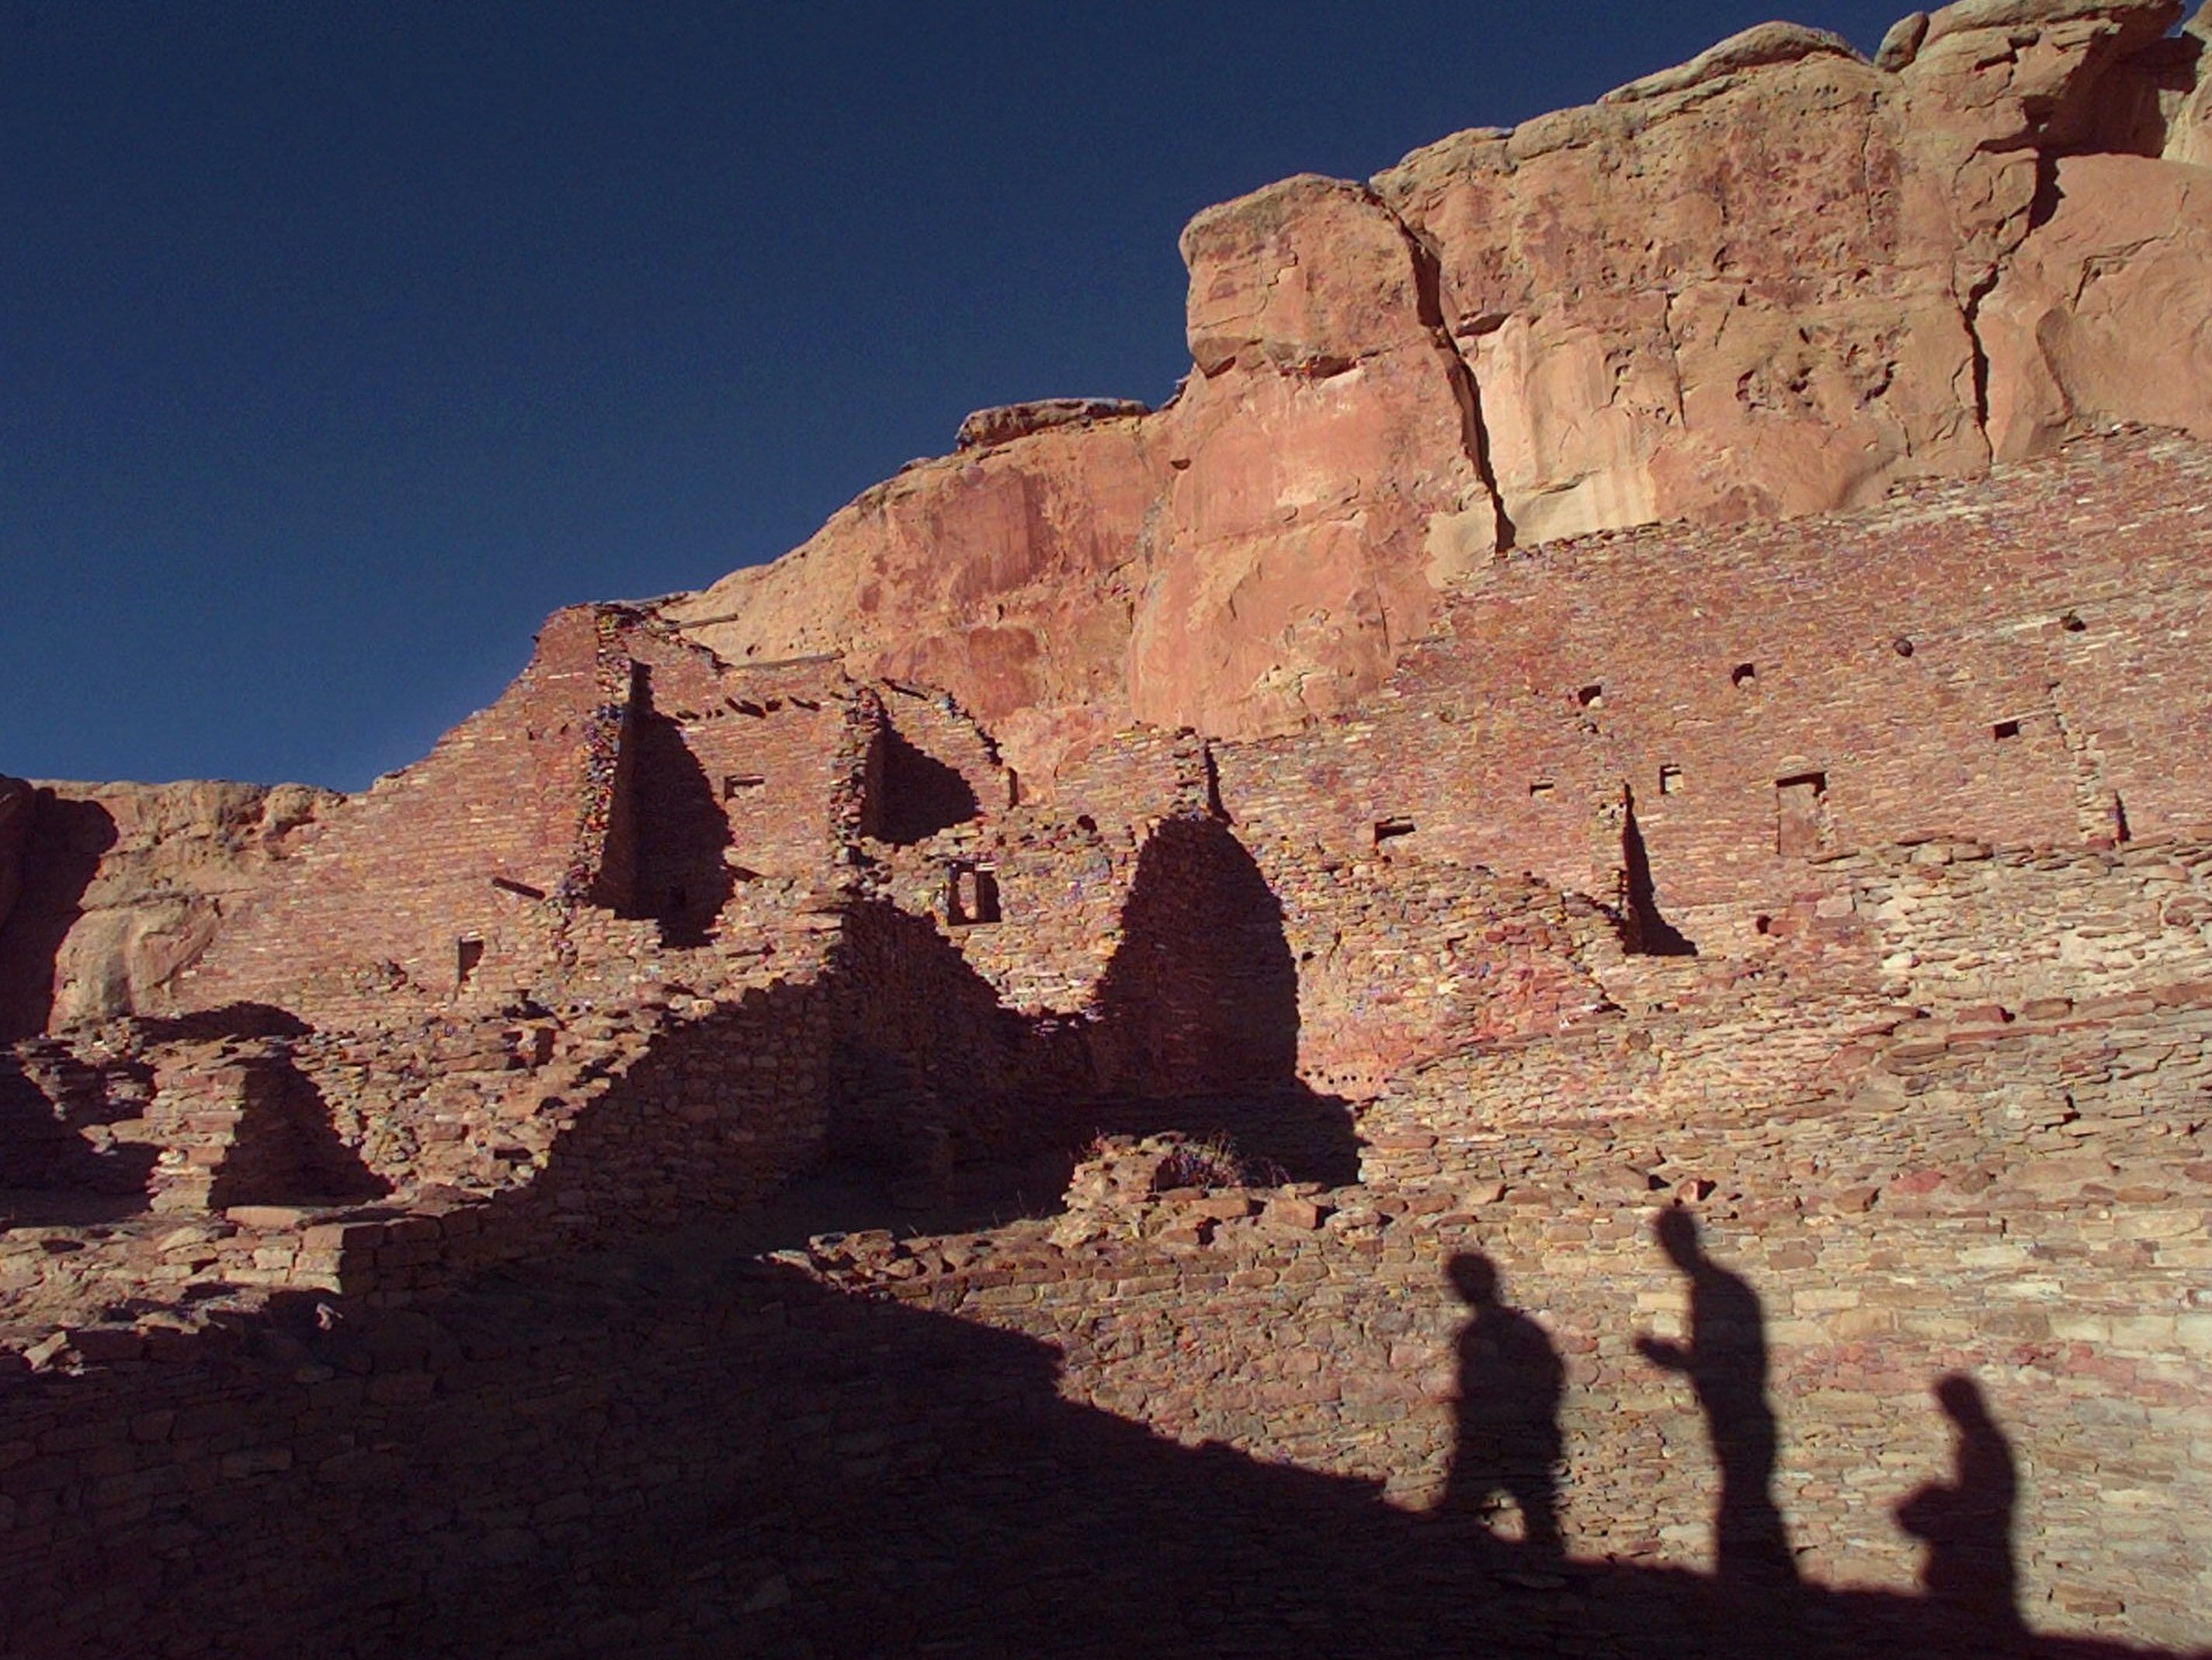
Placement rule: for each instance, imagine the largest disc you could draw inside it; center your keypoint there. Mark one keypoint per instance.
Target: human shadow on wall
(1507, 1442)
(1967, 1523)
(61, 855)
(1725, 1361)
(683, 879)
(1197, 1026)
(685, 1450)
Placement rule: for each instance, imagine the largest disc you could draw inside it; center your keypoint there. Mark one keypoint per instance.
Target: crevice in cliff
(1970, 310)
(1475, 435)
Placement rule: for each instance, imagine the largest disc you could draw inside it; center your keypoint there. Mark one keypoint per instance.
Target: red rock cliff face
(1777, 280)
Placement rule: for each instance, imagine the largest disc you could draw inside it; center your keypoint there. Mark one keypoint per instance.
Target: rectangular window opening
(1389, 830)
(736, 782)
(2004, 729)
(1670, 781)
(1591, 696)
(1540, 790)
(468, 951)
(971, 896)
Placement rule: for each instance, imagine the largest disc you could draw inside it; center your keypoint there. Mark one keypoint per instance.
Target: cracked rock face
(1322, 457)
(1777, 280)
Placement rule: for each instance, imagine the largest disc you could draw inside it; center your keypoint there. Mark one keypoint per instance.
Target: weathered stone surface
(1007, 575)
(1007, 422)
(1843, 882)
(1758, 284)
(2105, 313)
(1324, 475)
(123, 886)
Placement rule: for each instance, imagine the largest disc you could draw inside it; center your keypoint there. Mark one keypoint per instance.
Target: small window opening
(2072, 623)
(1086, 824)
(746, 706)
(1670, 781)
(1901, 646)
(1540, 790)
(2119, 819)
(2005, 729)
(1388, 830)
(1591, 697)
(1743, 674)
(971, 895)
(735, 783)
(1801, 815)
(468, 951)
(1762, 925)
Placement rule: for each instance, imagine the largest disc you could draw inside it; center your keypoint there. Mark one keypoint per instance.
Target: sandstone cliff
(1777, 280)
(118, 887)
(15, 799)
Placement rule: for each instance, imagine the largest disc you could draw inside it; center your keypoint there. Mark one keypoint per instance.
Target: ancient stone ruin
(1533, 974)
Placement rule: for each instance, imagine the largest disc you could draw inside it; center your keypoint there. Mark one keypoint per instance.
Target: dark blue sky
(341, 340)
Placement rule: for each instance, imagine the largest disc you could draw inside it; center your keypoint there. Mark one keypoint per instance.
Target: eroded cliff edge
(1777, 280)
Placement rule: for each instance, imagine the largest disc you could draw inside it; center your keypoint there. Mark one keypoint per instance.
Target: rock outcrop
(986, 429)
(122, 886)
(16, 799)
(1779, 279)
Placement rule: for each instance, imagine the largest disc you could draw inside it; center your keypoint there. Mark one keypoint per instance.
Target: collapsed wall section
(623, 795)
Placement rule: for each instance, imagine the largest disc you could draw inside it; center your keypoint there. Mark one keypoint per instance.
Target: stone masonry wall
(1962, 663)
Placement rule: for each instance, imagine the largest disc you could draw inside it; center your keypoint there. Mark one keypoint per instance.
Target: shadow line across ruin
(687, 1451)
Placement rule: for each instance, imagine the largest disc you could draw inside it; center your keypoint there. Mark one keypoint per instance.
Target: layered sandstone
(1777, 280)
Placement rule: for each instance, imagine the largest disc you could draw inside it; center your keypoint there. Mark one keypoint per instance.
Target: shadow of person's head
(1676, 1230)
(1961, 1397)
(1474, 1277)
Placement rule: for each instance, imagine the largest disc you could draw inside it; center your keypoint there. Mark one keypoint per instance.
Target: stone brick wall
(2061, 606)
(578, 1457)
(471, 843)
(1932, 1082)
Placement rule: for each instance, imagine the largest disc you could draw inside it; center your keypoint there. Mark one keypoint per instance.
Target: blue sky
(342, 340)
